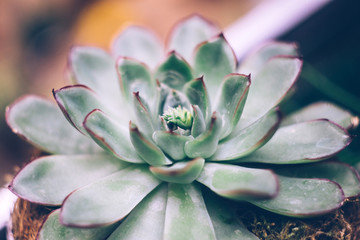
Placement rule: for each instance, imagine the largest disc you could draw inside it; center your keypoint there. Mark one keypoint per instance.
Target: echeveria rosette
(149, 167)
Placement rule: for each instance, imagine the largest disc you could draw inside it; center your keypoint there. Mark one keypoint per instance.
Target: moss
(342, 224)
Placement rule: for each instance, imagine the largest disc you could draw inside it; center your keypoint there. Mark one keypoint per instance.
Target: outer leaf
(227, 226)
(322, 110)
(232, 97)
(41, 123)
(343, 174)
(94, 68)
(48, 180)
(269, 87)
(135, 77)
(302, 197)
(138, 43)
(146, 221)
(108, 199)
(256, 60)
(181, 172)
(302, 142)
(171, 143)
(247, 140)
(190, 32)
(174, 72)
(148, 151)
(52, 229)
(76, 102)
(214, 59)
(197, 94)
(239, 183)
(111, 136)
(205, 144)
(186, 214)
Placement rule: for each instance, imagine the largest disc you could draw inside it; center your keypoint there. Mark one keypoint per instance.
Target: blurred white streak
(268, 20)
(7, 201)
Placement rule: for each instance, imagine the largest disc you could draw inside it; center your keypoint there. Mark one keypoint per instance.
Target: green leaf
(321, 110)
(171, 143)
(205, 144)
(214, 59)
(94, 68)
(139, 43)
(142, 115)
(135, 76)
(76, 102)
(302, 142)
(174, 99)
(146, 221)
(41, 123)
(302, 197)
(231, 101)
(226, 224)
(180, 172)
(48, 180)
(269, 87)
(52, 229)
(239, 183)
(146, 149)
(174, 72)
(109, 199)
(199, 125)
(190, 32)
(247, 140)
(197, 94)
(256, 60)
(343, 174)
(111, 136)
(186, 214)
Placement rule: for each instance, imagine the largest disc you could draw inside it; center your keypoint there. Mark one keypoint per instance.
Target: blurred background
(36, 35)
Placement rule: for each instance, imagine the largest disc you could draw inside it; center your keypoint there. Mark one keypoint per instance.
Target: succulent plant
(148, 130)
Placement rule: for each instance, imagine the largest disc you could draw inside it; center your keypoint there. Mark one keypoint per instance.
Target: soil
(343, 224)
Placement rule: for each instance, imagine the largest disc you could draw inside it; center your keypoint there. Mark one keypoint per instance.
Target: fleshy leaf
(205, 144)
(139, 43)
(41, 123)
(111, 136)
(135, 76)
(231, 101)
(48, 180)
(95, 68)
(108, 199)
(247, 140)
(321, 110)
(146, 221)
(239, 183)
(269, 87)
(343, 174)
(174, 99)
(52, 229)
(197, 94)
(303, 197)
(148, 151)
(214, 59)
(199, 125)
(180, 172)
(174, 72)
(260, 56)
(186, 214)
(226, 224)
(76, 102)
(302, 142)
(190, 32)
(171, 143)
(143, 115)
